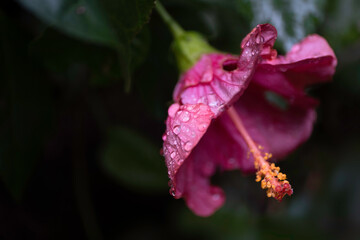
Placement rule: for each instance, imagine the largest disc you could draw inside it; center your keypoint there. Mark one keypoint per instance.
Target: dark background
(85, 87)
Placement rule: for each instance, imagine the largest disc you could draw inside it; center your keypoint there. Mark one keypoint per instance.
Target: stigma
(269, 175)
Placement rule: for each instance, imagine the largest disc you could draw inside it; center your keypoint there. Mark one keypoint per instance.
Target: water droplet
(191, 107)
(173, 109)
(185, 117)
(164, 137)
(173, 155)
(216, 197)
(259, 39)
(188, 146)
(176, 129)
(295, 48)
(253, 52)
(202, 127)
(172, 192)
(283, 69)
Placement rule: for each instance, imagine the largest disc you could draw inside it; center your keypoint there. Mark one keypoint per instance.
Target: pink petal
(216, 149)
(209, 83)
(277, 130)
(308, 62)
(185, 126)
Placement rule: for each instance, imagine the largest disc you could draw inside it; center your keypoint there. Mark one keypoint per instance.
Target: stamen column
(270, 176)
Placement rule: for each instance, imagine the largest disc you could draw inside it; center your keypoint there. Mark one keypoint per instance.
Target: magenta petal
(218, 86)
(216, 150)
(185, 126)
(278, 131)
(308, 62)
(199, 139)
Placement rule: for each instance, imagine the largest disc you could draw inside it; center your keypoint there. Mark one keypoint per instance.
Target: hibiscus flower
(224, 116)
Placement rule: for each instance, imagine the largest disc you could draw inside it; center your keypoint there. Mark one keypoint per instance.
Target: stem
(175, 28)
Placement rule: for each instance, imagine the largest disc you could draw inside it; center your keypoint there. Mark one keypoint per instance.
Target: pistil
(268, 174)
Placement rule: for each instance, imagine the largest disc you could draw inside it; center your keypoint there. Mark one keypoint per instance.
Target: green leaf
(80, 18)
(128, 18)
(113, 23)
(134, 161)
(59, 53)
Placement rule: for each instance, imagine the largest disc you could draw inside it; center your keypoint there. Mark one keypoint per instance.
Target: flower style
(224, 116)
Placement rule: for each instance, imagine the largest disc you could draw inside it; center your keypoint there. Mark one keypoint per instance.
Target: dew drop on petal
(202, 127)
(216, 197)
(188, 146)
(173, 109)
(295, 48)
(173, 154)
(191, 107)
(185, 117)
(164, 137)
(176, 129)
(172, 192)
(259, 39)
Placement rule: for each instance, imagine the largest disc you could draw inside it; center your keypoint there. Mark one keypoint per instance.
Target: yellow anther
(281, 176)
(258, 178)
(263, 184)
(267, 173)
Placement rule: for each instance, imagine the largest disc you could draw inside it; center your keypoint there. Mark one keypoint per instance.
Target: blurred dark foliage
(85, 87)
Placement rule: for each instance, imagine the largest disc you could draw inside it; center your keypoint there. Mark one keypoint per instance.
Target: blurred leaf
(292, 19)
(342, 28)
(80, 18)
(59, 53)
(134, 161)
(116, 27)
(128, 18)
(226, 223)
(25, 110)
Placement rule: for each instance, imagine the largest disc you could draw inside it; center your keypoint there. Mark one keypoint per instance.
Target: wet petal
(218, 80)
(308, 62)
(185, 126)
(216, 150)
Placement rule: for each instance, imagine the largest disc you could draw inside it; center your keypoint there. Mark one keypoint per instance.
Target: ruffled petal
(218, 80)
(308, 62)
(216, 150)
(278, 130)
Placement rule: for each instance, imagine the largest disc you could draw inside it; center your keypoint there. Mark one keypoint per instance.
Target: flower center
(230, 65)
(270, 176)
